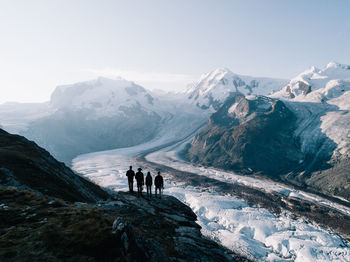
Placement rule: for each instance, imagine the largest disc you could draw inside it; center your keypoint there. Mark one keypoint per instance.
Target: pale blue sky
(163, 43)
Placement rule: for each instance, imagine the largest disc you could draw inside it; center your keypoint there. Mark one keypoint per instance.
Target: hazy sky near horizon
(162, 43)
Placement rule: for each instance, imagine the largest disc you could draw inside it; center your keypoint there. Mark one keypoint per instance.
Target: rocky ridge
(248, 135)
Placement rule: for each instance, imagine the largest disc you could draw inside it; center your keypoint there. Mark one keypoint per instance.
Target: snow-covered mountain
(93, 116)
(317, 85)
(101, 97)
(102, 114)
(105, 97)
(319, 100)
(213, 88)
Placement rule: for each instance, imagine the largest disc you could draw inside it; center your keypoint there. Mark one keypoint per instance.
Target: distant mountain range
(296, 130)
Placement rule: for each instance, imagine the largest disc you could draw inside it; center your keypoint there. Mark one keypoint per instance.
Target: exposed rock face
(39, 228)
(168, 229)
(249, 135)
(301, 86)
(334, 181)
(26, 165)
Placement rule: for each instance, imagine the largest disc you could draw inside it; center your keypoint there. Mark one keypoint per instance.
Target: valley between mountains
(263, 163)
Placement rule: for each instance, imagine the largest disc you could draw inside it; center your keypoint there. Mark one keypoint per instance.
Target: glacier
(249, 230)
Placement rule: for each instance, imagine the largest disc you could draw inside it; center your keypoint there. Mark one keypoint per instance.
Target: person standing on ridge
(140, 181)
(130, 174)
(159, 184)
(149, 184)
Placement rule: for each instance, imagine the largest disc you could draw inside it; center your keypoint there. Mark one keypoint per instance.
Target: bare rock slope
(249, 136)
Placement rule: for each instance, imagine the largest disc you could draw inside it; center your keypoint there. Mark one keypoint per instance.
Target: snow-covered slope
(321, 99)
(104, 96)
(213, 88)
(317, 85)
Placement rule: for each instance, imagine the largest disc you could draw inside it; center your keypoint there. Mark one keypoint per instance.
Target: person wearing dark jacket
(159, 184)
(130, 174)
(140, 181)
(149, 184)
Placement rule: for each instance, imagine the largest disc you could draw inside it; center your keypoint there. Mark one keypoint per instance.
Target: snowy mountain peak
(336, 70)
(214, 75)
(318, 85)
(334, 64)
(313, 69)
(101, 94)
(217, 73)
(213, 88)
(112, 82)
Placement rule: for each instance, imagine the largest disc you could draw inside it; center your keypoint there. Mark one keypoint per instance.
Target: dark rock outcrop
(249, 136)
(34, 227)
(168, 229)
(334, 181)
(25, 165)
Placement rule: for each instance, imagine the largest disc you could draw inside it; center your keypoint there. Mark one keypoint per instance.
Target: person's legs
(131, 186)
(139, 189)
(158, 188)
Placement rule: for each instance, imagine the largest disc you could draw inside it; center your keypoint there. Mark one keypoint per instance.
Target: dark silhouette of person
(140, 181)
(149, 184)
(159, 184)
(130, 174)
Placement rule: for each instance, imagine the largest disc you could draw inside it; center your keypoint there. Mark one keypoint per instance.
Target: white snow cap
(317, 85)
(213, 88)
(101, 94)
